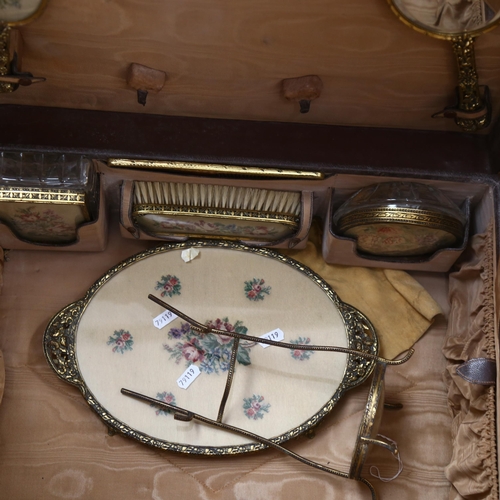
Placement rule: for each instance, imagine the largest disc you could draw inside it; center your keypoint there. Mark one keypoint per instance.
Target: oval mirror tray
(115, 338)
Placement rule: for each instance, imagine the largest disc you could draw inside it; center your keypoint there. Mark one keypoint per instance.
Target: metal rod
(229, 379)
(204, 329)
(186, 415)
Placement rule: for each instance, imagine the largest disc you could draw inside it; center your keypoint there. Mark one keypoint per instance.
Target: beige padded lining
(471, 334)
(52, 444)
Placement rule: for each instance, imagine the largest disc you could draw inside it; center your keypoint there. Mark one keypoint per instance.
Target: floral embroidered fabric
(211, 352)
(121, 341)
(274, 390)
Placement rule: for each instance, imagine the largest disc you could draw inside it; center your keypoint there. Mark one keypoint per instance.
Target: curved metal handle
(184, 415)
(472, 111)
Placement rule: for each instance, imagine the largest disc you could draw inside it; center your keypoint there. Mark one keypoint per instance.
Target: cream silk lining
(66, 444)
(473, 469)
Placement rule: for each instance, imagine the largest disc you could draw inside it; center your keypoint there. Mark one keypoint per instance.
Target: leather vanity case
(53, 446)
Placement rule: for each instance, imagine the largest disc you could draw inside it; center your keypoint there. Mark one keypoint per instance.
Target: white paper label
(188, 377)
(164, 319)
(276, 335)
(189, 254)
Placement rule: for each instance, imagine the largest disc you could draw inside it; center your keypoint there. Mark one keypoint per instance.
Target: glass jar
(400, 219)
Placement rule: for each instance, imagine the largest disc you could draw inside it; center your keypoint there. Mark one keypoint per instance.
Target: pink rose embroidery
(300, 354)
(192, 352)
(211, 352)
(166, 397)
(169, 286)
(218, 324)
(121, 341)
(255, 289)
(254, 407)
(36, 222)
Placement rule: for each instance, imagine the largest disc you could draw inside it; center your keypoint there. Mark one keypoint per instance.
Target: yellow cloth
(399, 308)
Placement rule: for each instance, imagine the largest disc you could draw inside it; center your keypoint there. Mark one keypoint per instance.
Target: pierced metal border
(60, 336)
(368, 428)
(142, 210)
(37, 195)
(411, 216)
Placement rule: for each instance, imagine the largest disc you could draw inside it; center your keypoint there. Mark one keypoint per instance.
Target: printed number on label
(164, 319)
(188, 377)
(277, 335)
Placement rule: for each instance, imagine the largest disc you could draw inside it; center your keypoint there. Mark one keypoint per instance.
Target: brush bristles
(224, 197)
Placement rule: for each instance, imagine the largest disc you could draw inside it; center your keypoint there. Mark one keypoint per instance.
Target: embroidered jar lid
(116, 338)
(400, 219)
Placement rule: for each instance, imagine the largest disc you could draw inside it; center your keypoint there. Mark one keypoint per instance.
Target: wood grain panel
(226, 59)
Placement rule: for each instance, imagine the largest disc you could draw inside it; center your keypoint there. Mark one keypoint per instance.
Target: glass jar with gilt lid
(400, 219)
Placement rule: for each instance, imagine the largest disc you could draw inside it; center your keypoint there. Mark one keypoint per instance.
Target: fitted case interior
(446, 431)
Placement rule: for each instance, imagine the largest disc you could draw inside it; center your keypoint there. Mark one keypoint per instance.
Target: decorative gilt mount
(473, 109)
(12, 15)
(459, 22)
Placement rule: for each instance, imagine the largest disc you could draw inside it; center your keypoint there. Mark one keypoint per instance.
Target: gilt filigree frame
(59, 345)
